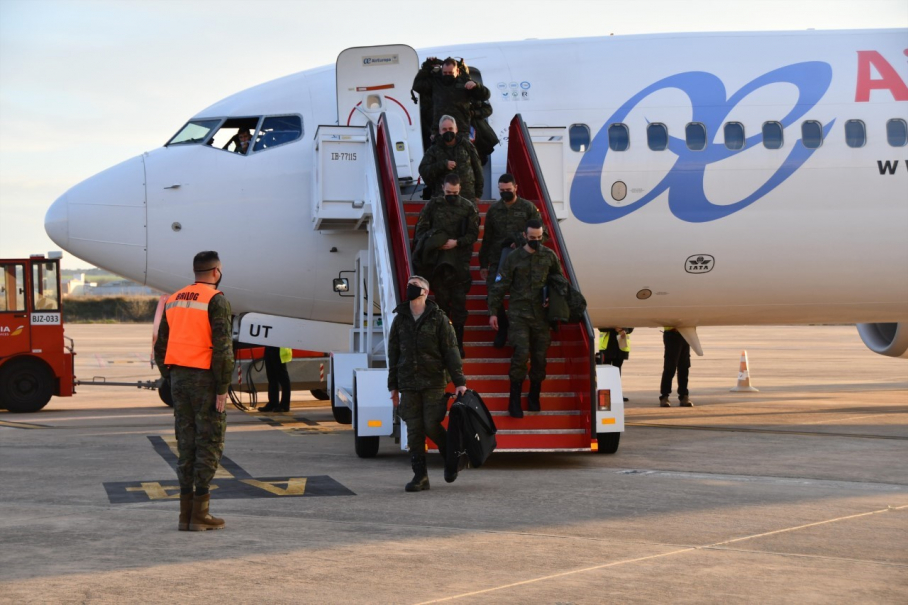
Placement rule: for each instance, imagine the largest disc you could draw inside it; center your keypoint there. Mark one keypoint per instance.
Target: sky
(85, 84)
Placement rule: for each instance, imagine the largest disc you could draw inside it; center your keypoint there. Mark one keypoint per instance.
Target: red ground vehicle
(36, 362)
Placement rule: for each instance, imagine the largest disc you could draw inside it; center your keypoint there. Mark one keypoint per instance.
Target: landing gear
(26, 386)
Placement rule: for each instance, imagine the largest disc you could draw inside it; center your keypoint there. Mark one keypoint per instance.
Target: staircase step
(502, 384)
(539, 441)
(533, 421)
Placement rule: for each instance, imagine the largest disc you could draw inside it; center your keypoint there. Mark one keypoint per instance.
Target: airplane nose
(102, 220)
(56, 222)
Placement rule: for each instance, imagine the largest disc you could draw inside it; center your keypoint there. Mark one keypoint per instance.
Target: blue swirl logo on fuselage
(684, 182)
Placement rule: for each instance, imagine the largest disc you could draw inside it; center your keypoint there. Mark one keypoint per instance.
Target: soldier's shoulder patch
(498, 277)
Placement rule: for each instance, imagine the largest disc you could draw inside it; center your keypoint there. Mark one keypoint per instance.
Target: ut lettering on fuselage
(710, 103)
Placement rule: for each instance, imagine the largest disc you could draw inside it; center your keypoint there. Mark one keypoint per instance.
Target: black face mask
(413, 291)
(507, 196)
(220, 277)
(534, 244)
(448, 80)
(452, 198)
(448, 136)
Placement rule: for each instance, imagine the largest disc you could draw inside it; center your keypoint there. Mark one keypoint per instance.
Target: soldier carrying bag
(471, 432)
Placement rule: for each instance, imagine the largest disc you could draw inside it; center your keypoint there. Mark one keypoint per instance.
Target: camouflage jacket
(434, 166)
(523, 275)
(504, 223)
(422, 354)
(220, 317)
(453, 100)
(459, 220)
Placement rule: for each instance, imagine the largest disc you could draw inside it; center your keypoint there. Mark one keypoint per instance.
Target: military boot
(201, 520)
(686, 402)
(514, 401)
(458, 330)
(420, 480)
(533, 397)
(663, 402)
(501, 339)
(185, 511)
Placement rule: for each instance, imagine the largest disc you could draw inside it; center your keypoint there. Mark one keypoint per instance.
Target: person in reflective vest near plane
(614, 347)
(194, 350)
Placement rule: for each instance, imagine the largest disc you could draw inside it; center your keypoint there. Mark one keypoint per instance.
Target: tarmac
(795, 494)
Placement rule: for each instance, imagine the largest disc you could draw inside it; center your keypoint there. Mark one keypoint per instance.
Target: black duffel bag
(471, 431)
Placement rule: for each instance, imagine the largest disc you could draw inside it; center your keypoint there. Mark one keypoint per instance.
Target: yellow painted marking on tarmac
(21, 425)
(608, 421)
(156, 491)
(667, 554)
(171, 441)
(375, 423)
(295, 486)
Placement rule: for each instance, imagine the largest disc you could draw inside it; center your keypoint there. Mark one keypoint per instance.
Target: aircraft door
(372, 80)
(549, 144)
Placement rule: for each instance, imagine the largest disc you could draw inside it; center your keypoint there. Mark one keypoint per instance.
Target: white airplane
(699, 179)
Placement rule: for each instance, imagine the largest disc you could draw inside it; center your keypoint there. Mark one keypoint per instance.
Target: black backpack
(471, 431)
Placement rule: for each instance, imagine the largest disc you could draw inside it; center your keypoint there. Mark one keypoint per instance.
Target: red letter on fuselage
(889, 79)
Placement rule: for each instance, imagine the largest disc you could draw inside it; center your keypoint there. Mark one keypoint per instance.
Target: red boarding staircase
(567, 394)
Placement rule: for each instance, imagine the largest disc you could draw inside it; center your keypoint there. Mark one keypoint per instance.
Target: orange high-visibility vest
(189, 344)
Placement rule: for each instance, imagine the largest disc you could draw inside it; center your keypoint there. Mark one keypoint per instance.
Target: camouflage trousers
(423, 411)
(199, 426)
(451, 297)
(530, 338)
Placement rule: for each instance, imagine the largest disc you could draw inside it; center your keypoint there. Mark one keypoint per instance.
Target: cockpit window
(278, 130)
(235, 135)
(194, 132)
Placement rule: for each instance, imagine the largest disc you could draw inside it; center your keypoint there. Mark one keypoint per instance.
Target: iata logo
(699, 263)
(5, 331)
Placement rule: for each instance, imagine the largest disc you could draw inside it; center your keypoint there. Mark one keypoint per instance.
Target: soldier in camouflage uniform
(422, 354)
(199, 394)
(505, 223)
(459, 220)
(524, 273)
(449, 91)
(452, 152)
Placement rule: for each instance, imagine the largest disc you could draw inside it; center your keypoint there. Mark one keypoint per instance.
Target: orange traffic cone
(744, 377)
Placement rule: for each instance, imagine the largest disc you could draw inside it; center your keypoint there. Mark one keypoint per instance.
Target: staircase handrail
(524, 165)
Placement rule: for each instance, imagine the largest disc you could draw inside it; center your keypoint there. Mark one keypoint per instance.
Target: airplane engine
(890, 339)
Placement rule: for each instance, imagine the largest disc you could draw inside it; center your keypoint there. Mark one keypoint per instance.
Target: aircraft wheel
(164, 392)
(608, 442)
(26, 385)
(320, 394)
(366, 447)
(342, 415)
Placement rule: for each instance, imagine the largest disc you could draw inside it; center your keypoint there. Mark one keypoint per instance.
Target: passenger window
(44, 285)
(855, 133)
(734, 135)
(695, 133)
(235, 135)
(579, 135)
(897, 132)
(278, 130)
(772, 135)
(811, 134)
(12, 288)
(193, 132)
(618, 137)
(657, 136)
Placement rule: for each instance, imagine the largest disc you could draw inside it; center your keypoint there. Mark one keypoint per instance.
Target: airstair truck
(362, 167)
